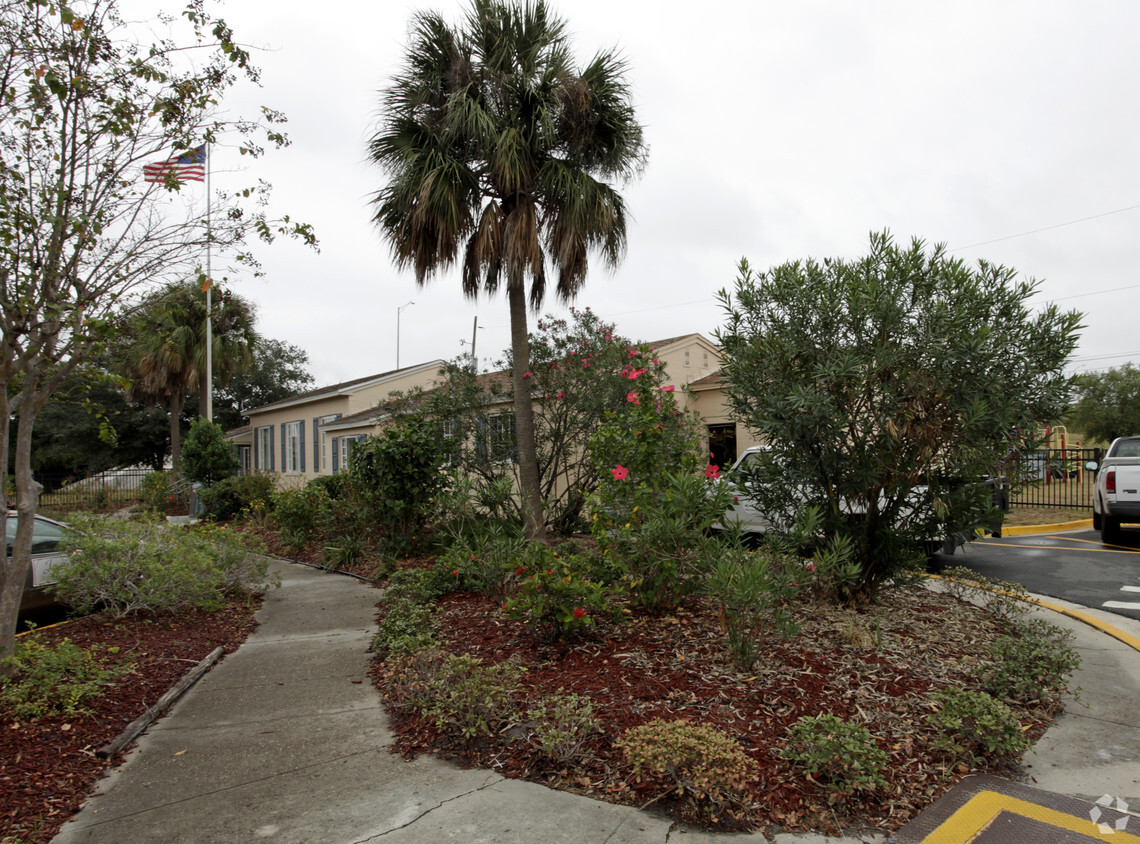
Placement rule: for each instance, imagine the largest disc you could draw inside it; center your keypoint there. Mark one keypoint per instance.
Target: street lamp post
(399, 311)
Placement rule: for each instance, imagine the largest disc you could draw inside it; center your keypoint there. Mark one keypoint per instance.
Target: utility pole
(399, 311)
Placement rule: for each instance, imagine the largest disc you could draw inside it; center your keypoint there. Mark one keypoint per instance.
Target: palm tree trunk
(524, 416)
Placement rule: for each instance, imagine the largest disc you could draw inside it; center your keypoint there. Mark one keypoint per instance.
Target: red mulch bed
(48, 765)
(675, 666)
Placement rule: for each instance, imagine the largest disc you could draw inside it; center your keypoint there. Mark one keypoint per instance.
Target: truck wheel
(1096, 520)
(1109, 529)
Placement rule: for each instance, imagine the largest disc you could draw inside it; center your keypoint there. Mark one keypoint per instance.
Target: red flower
(620, 472)
(579, 612)
(631, 396)
(520, 570)
(668, 388)
(712, 471)
(455, 571)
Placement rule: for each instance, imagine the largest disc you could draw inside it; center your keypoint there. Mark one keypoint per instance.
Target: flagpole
(209, 300)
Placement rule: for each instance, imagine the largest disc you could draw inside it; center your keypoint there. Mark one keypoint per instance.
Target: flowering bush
(555, 596)
(657, 536)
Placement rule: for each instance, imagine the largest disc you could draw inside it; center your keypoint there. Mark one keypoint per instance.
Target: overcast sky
(777, 131)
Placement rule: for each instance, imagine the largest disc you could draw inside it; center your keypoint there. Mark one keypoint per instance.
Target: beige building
(313, 433)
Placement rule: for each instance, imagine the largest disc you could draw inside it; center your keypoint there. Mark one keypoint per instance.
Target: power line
(1047, 228)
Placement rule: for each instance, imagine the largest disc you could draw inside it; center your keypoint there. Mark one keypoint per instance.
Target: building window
(325, 420)
(293, 446)
(501, 438)
(346, 447)
(265, 448)
(449, 436)
(687, 357)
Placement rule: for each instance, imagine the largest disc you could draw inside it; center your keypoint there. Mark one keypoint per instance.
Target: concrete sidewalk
(286, 741)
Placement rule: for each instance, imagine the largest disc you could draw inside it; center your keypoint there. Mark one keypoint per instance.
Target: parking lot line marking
(1121, 605)
(1130, 588)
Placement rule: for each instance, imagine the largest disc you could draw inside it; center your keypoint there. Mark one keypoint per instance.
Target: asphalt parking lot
(1073, 565)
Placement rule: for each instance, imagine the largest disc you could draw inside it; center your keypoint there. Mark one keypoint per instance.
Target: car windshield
(46, 536)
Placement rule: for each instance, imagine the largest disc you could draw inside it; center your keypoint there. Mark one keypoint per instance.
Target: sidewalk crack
(427, 812)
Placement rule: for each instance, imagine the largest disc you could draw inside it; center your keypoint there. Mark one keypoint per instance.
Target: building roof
(344, 387)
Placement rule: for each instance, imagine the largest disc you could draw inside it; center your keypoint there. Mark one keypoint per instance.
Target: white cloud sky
(777, 131)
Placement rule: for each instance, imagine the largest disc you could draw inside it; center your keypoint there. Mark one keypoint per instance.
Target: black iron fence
(1052, 477)
(97, 492)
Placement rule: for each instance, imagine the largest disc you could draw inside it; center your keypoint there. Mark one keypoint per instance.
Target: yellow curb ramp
(990, 810)
(1028, 530)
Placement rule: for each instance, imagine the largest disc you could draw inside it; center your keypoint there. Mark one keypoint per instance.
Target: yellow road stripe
(980, 810)
(1110, 550)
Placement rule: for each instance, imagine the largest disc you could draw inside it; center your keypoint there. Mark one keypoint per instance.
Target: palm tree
(495, 142)
(165, 354)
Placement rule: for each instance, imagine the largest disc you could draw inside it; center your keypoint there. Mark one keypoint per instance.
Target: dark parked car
(46, 538)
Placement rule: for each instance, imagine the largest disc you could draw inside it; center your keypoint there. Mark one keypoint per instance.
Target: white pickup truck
(1116, 496)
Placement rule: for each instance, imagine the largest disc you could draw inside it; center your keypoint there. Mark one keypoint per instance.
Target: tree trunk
(15, 568)
(177, 402)
(524, 417)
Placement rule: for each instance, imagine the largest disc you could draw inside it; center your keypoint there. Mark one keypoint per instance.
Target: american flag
(188, 167)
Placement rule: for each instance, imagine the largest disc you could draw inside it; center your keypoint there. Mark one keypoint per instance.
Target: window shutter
(301, 442)
(270, 452)
(316, 446)
(284, 446)
(255, 433)
(335, 443)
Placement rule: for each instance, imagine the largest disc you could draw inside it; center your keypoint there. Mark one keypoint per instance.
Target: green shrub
(303, 515)
(398, 474)
(122, 567)
(458, 693)
(52, 679)
(973, 726)
(562, 724)
(408, 625)
(697, 763)
(345, 553)
(155, 491)
(237, 495)
(485, 555)
(753, 589)
(207, 456)
(657, 534)
(1033, 665)
(844, 754)
(554, 597)
(422, 583)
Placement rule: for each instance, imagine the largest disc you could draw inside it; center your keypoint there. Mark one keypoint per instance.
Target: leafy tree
(1108, 403)
(499, 146)
(83, 103)
(876, 380)
(277, 371)
(208, 456)
(89, 426)
(165, 353)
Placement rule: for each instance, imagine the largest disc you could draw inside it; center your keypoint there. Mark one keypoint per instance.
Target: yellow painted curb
(1026, 530)
(1092, 621)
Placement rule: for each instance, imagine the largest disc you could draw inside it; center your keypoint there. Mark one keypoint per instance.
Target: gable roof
(345, 387)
